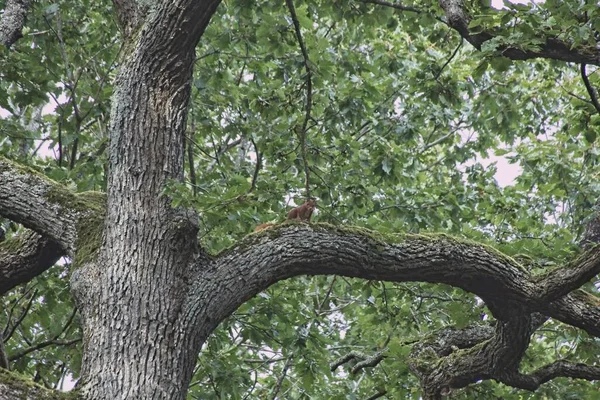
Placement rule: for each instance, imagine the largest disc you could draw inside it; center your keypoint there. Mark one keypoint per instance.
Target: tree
(219, 115)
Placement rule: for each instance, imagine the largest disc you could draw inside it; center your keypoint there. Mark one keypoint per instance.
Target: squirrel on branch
(301, 213)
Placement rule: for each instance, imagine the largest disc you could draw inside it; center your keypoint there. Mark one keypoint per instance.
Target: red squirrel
(303, 212)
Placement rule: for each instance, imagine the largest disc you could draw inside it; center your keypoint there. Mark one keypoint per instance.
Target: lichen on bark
(24, 388)
(90, 225)
(88, 210)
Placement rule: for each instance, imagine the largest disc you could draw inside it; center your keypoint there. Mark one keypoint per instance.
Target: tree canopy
(452, 149)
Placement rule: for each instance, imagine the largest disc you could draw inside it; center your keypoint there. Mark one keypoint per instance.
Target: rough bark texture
(23, 258)
(131, 298)
(38, 203)
(149, 296)
(13, 20)
(13, 386)
(65, 224)
(552, 48)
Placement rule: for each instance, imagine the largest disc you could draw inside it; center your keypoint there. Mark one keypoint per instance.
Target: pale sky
(505, 175)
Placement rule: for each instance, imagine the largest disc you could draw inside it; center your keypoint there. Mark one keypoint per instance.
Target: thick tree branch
(321, 249)
(24, 257)
(170, 27)
(489, 354)
(563, 281)
(287, 251)
(486, 360)
(578, 309)
(13, 20)
(447, 340)
(128, 15)
(548, 372)
(551, 48)
(38, 203)
(15, 386)
(69, 224)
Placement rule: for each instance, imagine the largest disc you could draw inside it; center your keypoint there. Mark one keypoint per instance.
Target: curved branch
(287, 250)
(13, 20)
(560, 282)
(446, 359)
(71, 222)
(38, 203)
(322, 249)
(548, 372)
(485, 360)
(590, 89)
(551, 48)
(488, 353)
(24, 257)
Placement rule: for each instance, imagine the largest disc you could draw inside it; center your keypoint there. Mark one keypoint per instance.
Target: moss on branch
(23, 387)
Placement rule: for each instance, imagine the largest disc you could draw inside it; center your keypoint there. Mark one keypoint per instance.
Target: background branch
(25, 256)
(589, 88)
(12, 21)
(303, 130)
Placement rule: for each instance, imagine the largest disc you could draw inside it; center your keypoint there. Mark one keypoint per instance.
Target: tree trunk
(150, 296)
(136, 343)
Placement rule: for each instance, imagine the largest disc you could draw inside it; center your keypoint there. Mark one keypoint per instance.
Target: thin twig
(42, 345)
(241, 76)
(25, 292)
(53, 341)
(448, 60)
(24, 313)
(590, 89)
(401, 8)
(249, 391)
(257, 167)
(282, 377)
(394, 5)
(302, 133)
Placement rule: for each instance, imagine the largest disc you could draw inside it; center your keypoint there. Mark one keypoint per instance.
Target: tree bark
(149, 296)
(13, 20)
(131, 299)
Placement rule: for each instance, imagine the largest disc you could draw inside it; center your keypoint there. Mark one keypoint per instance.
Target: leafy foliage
(411, 131)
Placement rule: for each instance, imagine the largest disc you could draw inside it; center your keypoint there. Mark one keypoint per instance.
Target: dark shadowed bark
(551, 47)
(23, 258)
(13, 20)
